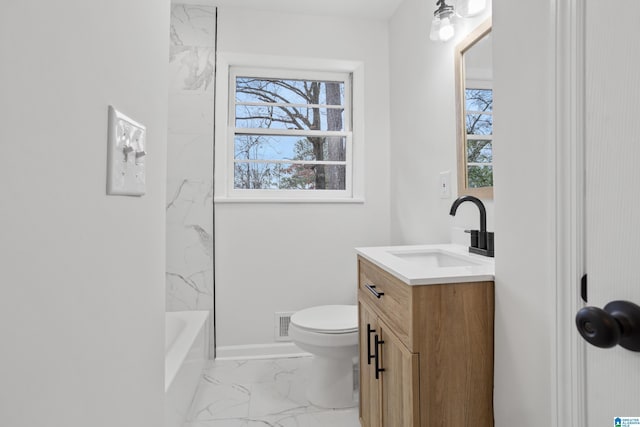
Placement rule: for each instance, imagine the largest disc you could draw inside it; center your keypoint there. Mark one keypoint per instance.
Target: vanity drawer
(388, 296)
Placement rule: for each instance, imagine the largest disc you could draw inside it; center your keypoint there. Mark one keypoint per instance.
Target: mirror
(474, 113)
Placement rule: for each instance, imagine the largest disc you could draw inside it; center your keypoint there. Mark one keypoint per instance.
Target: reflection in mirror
(474, 110)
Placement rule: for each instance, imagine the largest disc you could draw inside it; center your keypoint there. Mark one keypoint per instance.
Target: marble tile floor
(261, 393)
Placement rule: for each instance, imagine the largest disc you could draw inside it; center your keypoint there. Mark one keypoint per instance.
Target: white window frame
(232, 65)
(477, 84)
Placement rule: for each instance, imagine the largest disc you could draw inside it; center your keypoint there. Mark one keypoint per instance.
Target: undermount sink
(431, 264)
(434, 258)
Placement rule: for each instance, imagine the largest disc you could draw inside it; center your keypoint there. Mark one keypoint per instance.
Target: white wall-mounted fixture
(442, 25)
(444, 185)
(126, 155)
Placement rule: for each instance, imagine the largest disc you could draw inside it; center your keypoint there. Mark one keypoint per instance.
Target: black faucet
(481, 240)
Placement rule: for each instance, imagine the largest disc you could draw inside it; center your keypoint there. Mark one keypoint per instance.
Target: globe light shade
(435, 29)
(446, 31)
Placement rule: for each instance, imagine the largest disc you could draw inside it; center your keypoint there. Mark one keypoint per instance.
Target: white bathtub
(186, 355)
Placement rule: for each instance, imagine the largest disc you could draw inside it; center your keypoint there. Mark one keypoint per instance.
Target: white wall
(525, 298)
(285, 257)
(82, 306)
(423, 129)
(423, 144)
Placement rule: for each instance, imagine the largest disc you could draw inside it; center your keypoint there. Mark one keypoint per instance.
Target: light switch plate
(445, 185)
(126, 155)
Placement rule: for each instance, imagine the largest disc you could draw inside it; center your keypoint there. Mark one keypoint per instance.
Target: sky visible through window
(479, 144)
(289, 133)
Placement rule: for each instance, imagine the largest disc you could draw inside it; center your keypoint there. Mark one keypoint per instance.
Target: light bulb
(446, 31)
(435, 29)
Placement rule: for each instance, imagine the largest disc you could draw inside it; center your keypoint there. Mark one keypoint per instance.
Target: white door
(612, 117)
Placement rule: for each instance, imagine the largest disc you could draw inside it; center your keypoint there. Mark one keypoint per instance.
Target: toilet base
(331, 383)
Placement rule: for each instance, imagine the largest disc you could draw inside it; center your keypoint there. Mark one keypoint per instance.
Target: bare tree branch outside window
(479, 125)
(290, 134)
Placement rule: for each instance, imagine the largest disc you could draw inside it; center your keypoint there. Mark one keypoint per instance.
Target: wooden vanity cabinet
(426, 352)
(389, 398)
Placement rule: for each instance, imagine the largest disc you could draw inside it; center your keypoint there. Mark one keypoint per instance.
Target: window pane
(479, 151)
(283, 176)
(479, 176)
(278, 147)
(479, 124)
(254, 89)
(479, 100)
(294, 109)
(288, 117)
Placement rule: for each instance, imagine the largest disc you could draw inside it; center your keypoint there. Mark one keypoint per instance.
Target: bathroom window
(479, 137)
(289, 134)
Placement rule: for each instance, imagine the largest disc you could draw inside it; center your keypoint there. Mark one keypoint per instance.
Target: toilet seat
(327, 319)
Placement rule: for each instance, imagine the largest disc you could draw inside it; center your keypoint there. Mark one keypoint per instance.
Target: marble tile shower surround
(254, 393)
(189, 208)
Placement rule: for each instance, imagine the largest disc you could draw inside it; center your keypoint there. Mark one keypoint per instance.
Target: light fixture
(441, 26)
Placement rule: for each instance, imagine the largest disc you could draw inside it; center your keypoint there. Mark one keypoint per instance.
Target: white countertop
(415, 272)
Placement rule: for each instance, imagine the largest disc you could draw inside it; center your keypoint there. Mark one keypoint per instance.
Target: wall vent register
(282, 321)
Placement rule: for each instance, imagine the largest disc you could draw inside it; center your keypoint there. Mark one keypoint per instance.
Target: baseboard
(259, 351)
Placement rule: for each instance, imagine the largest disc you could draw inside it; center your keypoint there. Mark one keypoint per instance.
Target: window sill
(284, 200)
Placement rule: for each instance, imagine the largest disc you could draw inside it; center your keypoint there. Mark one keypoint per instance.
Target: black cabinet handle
(378, 343)
(373, 290)
(369, 332)
(618, 323)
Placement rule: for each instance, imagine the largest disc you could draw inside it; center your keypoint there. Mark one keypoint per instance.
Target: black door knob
(598, 327)
(618, 323)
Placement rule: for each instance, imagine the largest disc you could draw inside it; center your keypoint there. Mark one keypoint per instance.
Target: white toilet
(330, 334)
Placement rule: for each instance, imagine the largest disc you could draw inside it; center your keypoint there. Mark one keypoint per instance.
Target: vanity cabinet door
(400, 381)
(389, 375)
(369, 385)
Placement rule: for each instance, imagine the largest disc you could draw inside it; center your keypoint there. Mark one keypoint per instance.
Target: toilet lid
(328, 319)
